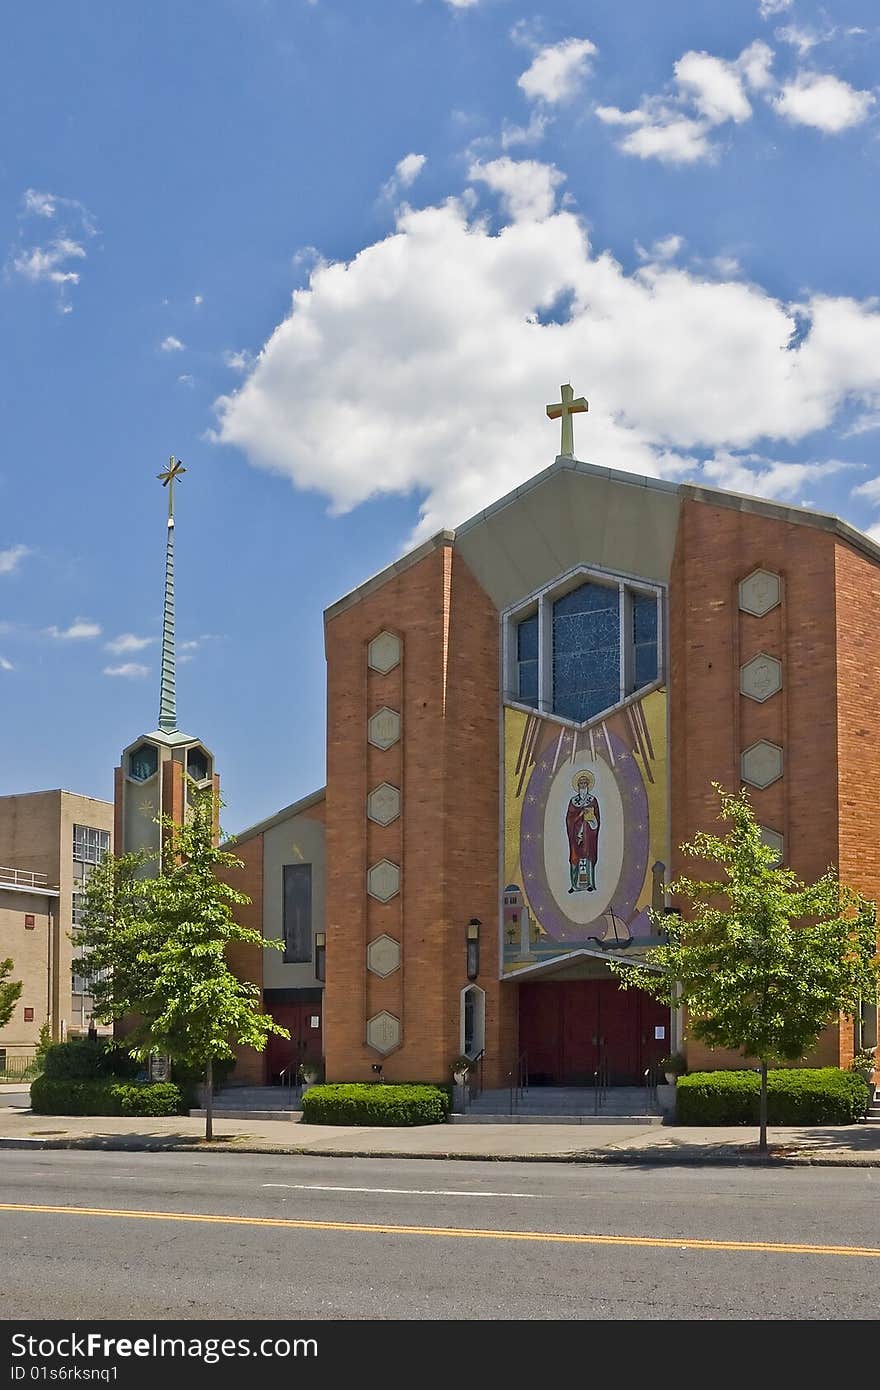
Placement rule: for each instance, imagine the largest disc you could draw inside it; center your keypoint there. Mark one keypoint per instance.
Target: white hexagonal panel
(383, 804)
(383, 880)
(383, 956)
(773, 840)
(383, 727)
(761, 677)
(762, 763)
(383, 1032)
(383, 653)
(759, 592)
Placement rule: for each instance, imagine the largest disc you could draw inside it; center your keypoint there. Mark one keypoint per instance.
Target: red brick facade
(447, 764)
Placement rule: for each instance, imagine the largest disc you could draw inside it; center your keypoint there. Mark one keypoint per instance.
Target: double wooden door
(569, 1028)
(303, 1022)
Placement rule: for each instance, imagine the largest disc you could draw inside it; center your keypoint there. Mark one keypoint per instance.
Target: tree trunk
(762, 1141)
(209, 1099)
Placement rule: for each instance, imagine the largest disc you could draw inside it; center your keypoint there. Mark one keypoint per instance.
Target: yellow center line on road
(553, 1237)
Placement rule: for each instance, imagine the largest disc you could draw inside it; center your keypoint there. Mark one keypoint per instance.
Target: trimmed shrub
(54, 1096)
(88, 1059)
(376, 1104)
(795, 1096)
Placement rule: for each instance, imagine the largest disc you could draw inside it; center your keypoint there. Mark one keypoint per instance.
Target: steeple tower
(157, 770)
(167, 699)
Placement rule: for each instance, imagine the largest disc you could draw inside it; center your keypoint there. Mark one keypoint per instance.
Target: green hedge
(88, 1059)
(795, 1096)
(376, 1104)
(53, 1096)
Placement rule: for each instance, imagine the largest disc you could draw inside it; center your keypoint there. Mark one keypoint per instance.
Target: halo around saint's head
(583, 779)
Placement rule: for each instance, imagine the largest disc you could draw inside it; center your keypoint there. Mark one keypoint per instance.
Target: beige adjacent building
(49, 842)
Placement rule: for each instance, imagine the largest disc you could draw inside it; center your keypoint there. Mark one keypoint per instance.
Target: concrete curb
(722, 1158)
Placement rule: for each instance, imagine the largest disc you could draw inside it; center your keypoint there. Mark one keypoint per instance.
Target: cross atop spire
(565, 408)
(174, 469)
(167, 697)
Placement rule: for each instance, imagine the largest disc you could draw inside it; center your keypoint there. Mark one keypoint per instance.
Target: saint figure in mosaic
(582, 821)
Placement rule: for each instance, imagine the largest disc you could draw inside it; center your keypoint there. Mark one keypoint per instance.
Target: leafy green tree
(155, 947)
(761, 961)
(10, 992)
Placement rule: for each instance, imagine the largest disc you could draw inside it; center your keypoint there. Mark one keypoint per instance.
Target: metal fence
(18, 1067)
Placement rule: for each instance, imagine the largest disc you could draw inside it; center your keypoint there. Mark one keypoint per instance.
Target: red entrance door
(303, 1022)
(568, 1027)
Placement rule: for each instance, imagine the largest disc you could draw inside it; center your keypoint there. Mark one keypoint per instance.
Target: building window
(527, 660)
(28, 1015)
(143, 762)
(30, 921)
(297, 911)
(473, 1021)
(585, 644)
(90, 845)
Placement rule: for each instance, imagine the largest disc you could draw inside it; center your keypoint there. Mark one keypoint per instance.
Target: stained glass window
(644, 637)
(586, 651)
(527, 660)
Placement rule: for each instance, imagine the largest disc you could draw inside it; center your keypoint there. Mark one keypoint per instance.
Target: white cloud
(52, 262)
(171, 344)
(409, 168)
(763, 477)
(11, 559)
(531, 134)
(462, 4)
(660, 132)
(198, 299)
(557, 71)
(754, 64)
(823, 101)
(423, 365)
(79, 630)
(129, 670)
(771, 7)
(238, 361)
(801, 38)
(47, 262)
(406, 171)
(527, 187)
(707, 91)
(186, 379)
(128, 642)
(39, 204)
(6, 665)
(666, 249)
(714, 86)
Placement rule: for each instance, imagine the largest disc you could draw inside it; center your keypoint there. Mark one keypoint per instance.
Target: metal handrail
(519, 1081)
(23, 878)
(474, 1082)
(600, 1085)
(290, 1072)
(651, 1083)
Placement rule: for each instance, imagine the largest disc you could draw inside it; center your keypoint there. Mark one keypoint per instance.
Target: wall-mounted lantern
(320, 953)
(473, 947)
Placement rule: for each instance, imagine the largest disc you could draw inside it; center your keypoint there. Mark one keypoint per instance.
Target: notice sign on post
(659, 1032)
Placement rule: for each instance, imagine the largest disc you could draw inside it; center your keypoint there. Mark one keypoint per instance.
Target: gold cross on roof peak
(167, 479)
(565, 408)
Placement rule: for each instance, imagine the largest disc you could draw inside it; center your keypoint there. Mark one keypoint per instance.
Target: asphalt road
(542, 1252)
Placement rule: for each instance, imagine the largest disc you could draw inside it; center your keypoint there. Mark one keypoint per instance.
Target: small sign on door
(315, 1021)
(659, 1032)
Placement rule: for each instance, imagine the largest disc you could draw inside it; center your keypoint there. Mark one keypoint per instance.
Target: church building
(525, 717)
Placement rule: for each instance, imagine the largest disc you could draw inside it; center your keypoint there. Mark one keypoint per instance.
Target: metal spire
(167, 700)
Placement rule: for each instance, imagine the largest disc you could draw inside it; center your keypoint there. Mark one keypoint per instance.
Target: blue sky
(337, 257)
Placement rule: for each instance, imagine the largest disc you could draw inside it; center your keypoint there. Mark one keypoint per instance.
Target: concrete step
(229, 1114)
(549, 1119)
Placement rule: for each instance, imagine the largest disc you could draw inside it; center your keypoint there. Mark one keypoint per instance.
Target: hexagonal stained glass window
(143, 762)
(197, 764)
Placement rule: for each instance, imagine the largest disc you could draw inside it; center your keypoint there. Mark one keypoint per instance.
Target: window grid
(90, 845)
(571, 682)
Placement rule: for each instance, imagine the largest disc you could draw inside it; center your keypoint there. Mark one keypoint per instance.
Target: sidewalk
(839, 1145)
